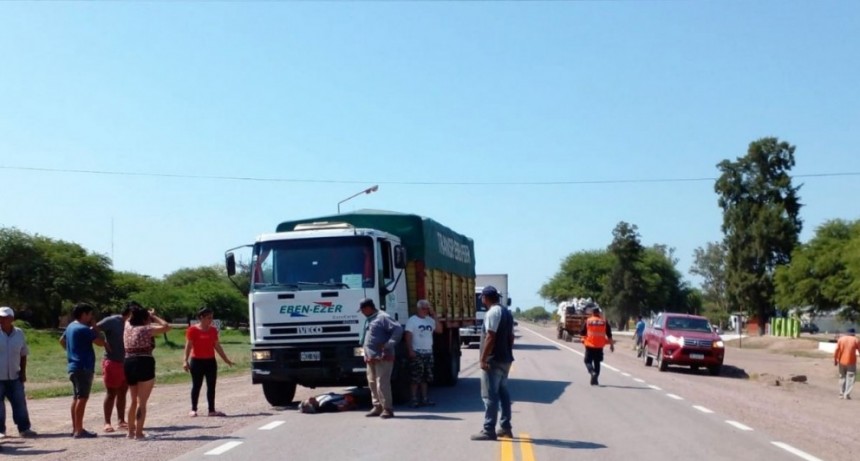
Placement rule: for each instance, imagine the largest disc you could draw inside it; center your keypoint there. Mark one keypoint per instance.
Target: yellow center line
(507, 449)
(526, 447)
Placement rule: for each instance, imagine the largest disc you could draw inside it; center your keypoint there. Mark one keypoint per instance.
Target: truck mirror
(399, 257)
(231, 264)
(509, 302)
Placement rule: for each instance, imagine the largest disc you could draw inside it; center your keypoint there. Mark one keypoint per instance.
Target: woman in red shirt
(201, 343)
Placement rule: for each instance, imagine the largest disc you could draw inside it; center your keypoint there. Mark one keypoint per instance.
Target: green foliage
(535, 314)
(582, 274)
(761, 222)
(626, 289)
(710, 264)
(824, 272)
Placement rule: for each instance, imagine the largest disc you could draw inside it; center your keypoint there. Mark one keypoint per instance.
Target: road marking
(795, 451)
(611, 367)
(554, 343)
(526, 448)
(507, 449)
(654, 387)
(272, 425)
(673, 396)
(739, 425)
(702, 409)
(639, 380)
(223, 448)
(625, 374)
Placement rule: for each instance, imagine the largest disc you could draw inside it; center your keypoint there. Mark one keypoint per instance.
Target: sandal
(216, 413)
(109, 428)
(192, 413)
(123, 425)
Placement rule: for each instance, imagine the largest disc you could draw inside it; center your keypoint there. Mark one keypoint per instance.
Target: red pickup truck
(682, 339)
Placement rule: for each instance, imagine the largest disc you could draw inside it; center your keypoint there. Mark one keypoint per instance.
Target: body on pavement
(379, 337)
(845, 357)
(419, 345)
(497, 342)
(13, 374)
(596, 334)
(201, 344)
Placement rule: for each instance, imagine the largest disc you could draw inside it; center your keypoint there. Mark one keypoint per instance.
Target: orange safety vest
(595, 329)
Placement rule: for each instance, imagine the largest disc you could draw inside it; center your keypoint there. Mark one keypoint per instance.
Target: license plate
(697, 356)
(312, 356)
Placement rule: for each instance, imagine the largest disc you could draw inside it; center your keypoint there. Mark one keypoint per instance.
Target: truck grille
(698, 343)
(311, 330)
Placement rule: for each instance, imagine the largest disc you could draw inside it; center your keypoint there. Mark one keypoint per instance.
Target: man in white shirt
(419, 343)
(13, 374)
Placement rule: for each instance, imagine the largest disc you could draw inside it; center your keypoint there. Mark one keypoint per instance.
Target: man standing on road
(419, 344)
(596, 334)
(497, 355)
(113, 374)
(78, 341)
(379, 337)
(13, 374)
(640, 330)
(845, 356)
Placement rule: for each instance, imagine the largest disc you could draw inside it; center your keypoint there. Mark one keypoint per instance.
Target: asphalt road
(634, 414)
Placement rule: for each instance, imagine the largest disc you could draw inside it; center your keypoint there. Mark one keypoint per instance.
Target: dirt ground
(755, 388)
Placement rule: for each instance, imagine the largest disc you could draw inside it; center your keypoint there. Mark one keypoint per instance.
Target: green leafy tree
(662, 286)
(625, 289)
(582, 274)
(709, 263)
(761, 222)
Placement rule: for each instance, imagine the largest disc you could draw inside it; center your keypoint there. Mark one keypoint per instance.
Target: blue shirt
(640, 327)
(79, 347)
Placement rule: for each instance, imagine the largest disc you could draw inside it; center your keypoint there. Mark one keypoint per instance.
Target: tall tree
(582, 275)
(625, 289)
(761, 221)
(710, 264)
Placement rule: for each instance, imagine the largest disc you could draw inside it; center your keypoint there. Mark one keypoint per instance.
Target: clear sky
(491, 118)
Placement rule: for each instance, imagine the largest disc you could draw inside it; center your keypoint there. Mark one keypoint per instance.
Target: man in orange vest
(845, 356)
(596, 334)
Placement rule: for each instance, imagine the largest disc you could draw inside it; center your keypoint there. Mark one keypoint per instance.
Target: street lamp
(373, 188)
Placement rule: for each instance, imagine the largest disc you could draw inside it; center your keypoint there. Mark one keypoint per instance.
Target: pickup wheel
(661, 362)
(279, 394)
(647, 358)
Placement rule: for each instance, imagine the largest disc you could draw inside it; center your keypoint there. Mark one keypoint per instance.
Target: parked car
(808, 328)
(682, 339)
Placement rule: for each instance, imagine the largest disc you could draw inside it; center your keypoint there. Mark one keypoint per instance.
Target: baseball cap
(6, 312)
(490, 290)
(366, 302)
(850, 330)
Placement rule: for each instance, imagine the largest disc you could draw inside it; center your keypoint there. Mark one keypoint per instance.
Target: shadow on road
(727, 371)
(535, 390)
(569, 444)
(8, 450)
(426, 417)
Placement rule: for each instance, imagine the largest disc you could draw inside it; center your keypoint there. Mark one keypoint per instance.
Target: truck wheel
(279, 394)
(446, 366)
(648, 358)
(560, 333)
(661, 362)
(400, 385)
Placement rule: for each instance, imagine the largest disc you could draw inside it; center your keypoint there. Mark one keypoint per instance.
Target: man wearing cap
(379, 337)
(596, 334)
(497, 355)
(13, 374)
(845, 357)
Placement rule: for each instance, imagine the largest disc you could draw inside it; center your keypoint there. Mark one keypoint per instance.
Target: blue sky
(469, 113)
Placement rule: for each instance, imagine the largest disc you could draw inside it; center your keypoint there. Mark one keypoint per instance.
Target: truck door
(392, 287)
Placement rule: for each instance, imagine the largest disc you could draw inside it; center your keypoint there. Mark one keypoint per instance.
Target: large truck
(306, 280)
(472, 333)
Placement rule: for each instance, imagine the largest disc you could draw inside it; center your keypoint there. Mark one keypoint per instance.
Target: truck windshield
(313, 264)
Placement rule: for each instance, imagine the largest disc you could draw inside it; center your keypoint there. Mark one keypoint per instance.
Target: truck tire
(661, 362)
(400, 382)
(446, 362)
(279, 394)
(560, 333)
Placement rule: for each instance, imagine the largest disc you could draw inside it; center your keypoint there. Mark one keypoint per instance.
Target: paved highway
(556, 415)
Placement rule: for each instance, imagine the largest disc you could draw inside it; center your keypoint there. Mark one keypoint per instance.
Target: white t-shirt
(422, 332)
(493, 318)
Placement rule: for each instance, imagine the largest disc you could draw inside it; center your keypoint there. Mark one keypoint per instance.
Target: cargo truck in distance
(306, 280)
(472, 333)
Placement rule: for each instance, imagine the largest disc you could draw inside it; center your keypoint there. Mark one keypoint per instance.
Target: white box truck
(472, 333)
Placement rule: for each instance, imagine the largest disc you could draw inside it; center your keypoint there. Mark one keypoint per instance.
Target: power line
(401, 183)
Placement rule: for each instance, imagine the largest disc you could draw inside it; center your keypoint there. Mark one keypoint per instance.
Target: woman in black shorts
(139, 340)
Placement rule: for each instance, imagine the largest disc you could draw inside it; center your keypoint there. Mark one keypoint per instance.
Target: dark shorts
(82, 383)
(139, 369)
(421, 368)
(113, 374)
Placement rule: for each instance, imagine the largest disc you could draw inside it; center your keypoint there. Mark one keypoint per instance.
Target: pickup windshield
(313, 264)
(680, 323)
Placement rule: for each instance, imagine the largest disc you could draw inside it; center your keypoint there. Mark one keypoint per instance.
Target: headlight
(719, 344)
(675, 340)
(261, 355)
(358, 352)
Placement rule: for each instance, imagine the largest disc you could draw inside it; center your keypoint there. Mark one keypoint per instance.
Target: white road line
(272, 425)
(639, 380)
(673, 396)
(702, 409)
(223, 448)
(611, 367)
(739, 425)
(625, 374)
(796, 452)
(554, 343)
(654, 387)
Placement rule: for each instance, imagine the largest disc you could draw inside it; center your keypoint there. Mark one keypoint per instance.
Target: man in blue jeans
(497, 343)
(13, 374)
